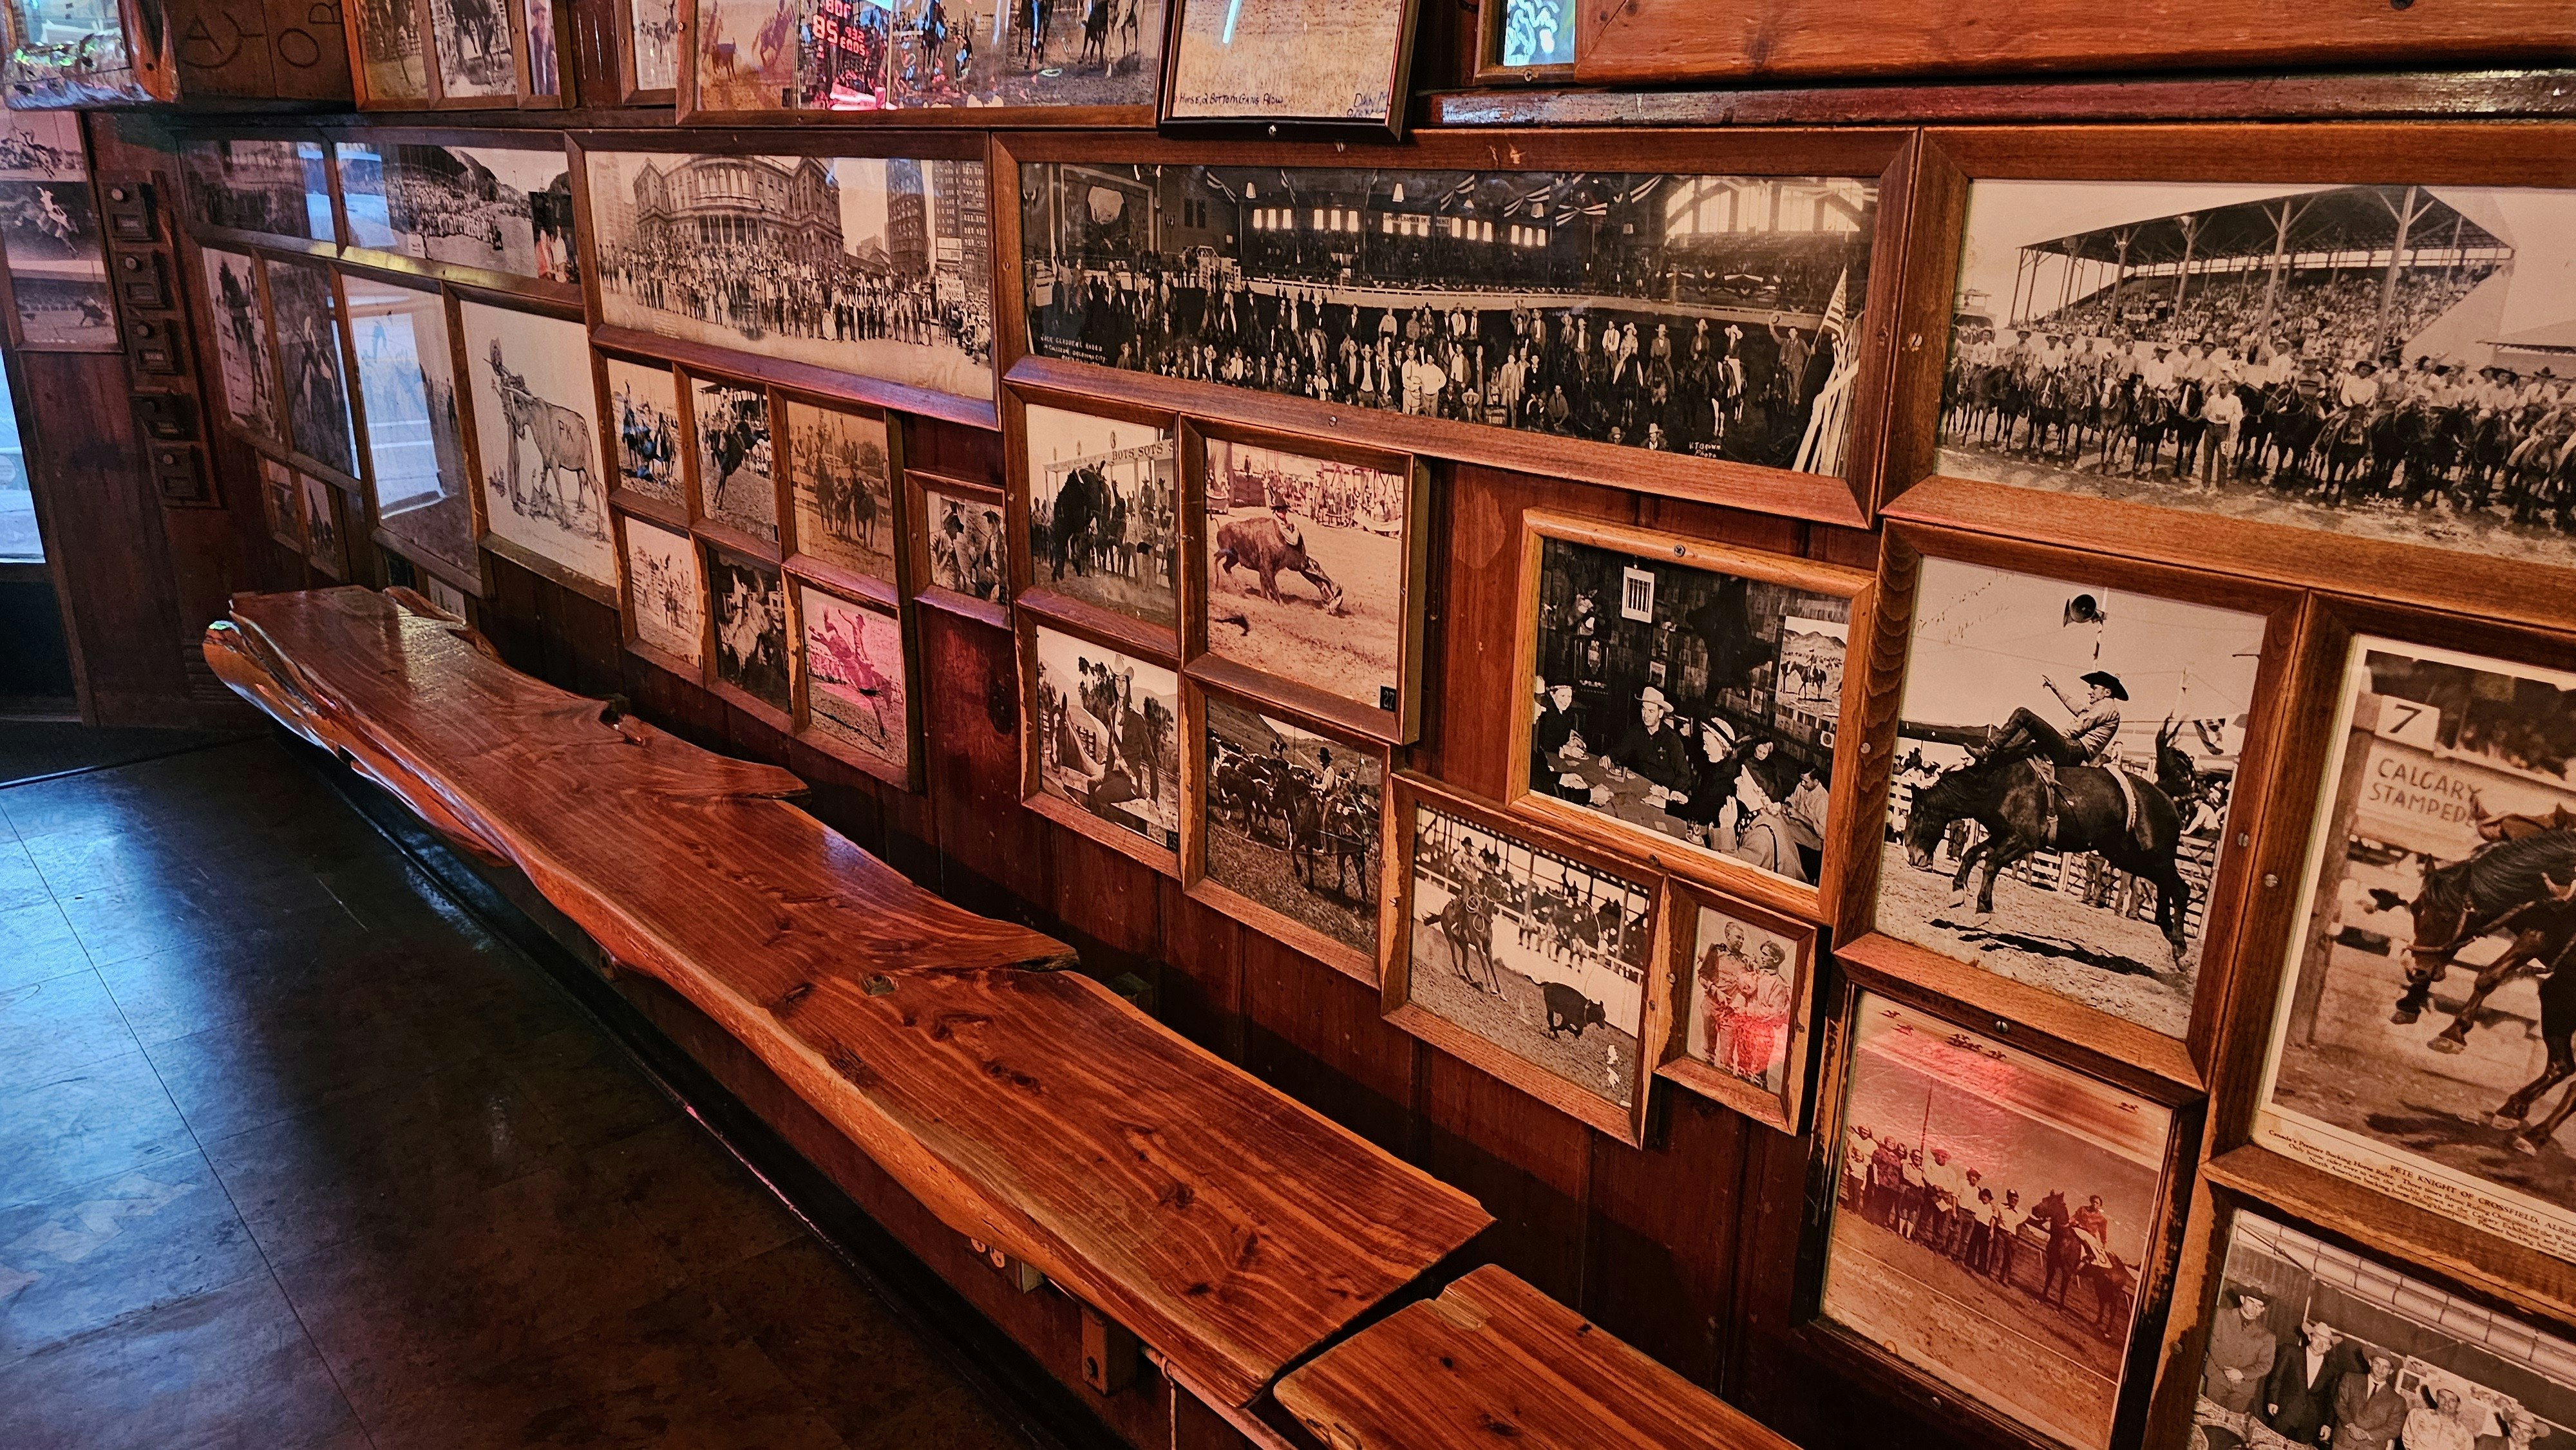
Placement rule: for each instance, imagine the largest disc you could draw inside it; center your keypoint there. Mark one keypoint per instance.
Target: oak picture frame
(629, 633)
(1164, 858)
(908, 774)
(1784, 1110)
(1028, 595)
(919, 485)
(381, 140)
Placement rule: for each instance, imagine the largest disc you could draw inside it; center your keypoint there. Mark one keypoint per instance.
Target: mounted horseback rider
(2091, 738)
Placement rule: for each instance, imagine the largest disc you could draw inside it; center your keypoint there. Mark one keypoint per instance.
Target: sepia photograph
(1289, 60)
(49, 228)
(1992, 1213)
(393, 53)
(1685, 703)
(281, 502)
(1715, 316)
(242, 353)
(308, 354)
(1307, 565)
(856, 687)
(965, 533)
(841, 473)
(1107, 730)
(813, 55)
(499, 208)
(1741, 1023)
(1532, 951)
(665, 590)
(2388, 361)
(471, 42)
(2421, 1043)
(1104, 511)
(326, 544)
(736, 484)
(535, 440)
(1292, 822)
(877, 267)
(415, 442)
(749, 600)
(644, 408)
(653, 43)
(276, 187)
(2312, 1344)
(2064, 761)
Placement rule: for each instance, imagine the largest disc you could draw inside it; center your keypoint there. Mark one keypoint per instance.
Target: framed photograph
(238, 309)
(1524, 40)
(961, 552)
(471, 43)
(1994, 1222)
(274, 188)
(860, 276)
(496, 215)
(2318, 363)
(842, 476)
(1742, 982)
(389, 55)
(1686, 704)
(1289, 828)
(50, 231)
(730, 442)
(326, 534)
(1304, 575)
(666, 591)
(536, 446)
(747, 609)
(1559, 318)
(957, 62)
(648, 52)
(446, 598)
(1289, 67)
(1523, 953)
(315, 386)
(854, 696)
(1101, 491)
(544, 35)
(1100, 733)
(281, 502)
(413, 426)
(642, 401)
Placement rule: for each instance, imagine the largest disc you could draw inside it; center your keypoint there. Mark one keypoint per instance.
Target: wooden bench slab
(1493, 1361)
(1226, 1225)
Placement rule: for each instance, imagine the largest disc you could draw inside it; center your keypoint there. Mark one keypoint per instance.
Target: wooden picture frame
(905, 731)
(83, 297)
(326, 527)
(232, 231)
(281, 500)
(1136, 634)
(305, 459)
(369, 94)
(2184, 1056)
(924, 494)
(449, 97)
(1036, 722)
(2317, 157)
(1234, 897)
(207, 267)
(802, 556)
(631, 91)
(473, 579)
(1567, 1006)
(1491, 67)
(1179, 114)
(1396, 717)
(534, 93)
(672, 512)
(630, 631)
(1819, 901)
(381, 143)
(1781, 1106)
(776, 714)
(460, 297)
(1882, 160)
(693, 446)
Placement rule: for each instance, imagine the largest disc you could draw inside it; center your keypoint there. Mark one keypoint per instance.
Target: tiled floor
(293, 1154)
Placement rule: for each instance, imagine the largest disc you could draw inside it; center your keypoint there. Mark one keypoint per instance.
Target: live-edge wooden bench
(1228, 1227)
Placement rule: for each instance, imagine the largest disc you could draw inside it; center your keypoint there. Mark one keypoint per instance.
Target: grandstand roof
(2556, 337)
(2348, 218)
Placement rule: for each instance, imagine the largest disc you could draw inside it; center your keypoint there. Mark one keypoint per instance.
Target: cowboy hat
(2108, 681)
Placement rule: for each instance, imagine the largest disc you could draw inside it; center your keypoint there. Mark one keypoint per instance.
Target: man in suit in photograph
(2299, 1399)
(2369, 1410)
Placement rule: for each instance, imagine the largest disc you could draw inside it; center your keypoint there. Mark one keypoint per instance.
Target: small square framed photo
(854, 694)
(844, 519)
(1286, 68)
(647, 443)
(1302, 574)
(1686, 704)
(749, 662)
(1742, 981)
(733, 459)
(1525, 40)
(1100, 741)
(960, 539)
(666, 593)
(1096, 487)
(281, 503)
(1524, 953)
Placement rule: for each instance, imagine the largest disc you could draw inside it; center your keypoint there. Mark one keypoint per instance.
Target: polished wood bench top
(1493, 1361)
(1226, 1225)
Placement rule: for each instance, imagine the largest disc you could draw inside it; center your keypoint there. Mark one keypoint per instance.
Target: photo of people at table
(1688, 702)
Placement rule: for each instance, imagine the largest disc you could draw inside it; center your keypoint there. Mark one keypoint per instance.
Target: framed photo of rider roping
(1742, 983)
(729, 425)
(1684, 702)
(1095, 514)
(1302, 562)
(1101, 745)
(2363, 330)
(2065, 781)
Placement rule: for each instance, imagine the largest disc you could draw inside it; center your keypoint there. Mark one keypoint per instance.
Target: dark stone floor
(294, 1154)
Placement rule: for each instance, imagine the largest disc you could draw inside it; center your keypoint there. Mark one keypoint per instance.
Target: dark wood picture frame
(1883, 156)
(1135, 636)
(907, 776)
(918, 485)
(523, 55)
(236, 239)
(1276, 126)
(629, 92)
(191, 258)
(603, 591)
(900, 521)
(1490, 69)
(286, 528)
(354, 30)
(710, 551)
(305, 460)
(477, 582)
(339, 564)
(701, 523)
(695, 671)
(1165, 859)
(505, 101)
(660, 511)
(114, 342)
(1786, 1109)
(384, 139)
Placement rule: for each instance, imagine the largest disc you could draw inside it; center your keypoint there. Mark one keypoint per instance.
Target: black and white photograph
(393, 52)
(2312, 1344)
(535, 439)
(840, 472)
(470, 40)
(2065, 758)
(856, 690)
(1104, 511)
(242, 354)
(1686, 704)
(276, 187)
(665, 590)
(306, 316)
(49, 227)
(415, 440)
(1992, 1213)
(737, 485)
(537, 21)
(2421, 1043)
(817, 55)
(1292, 822)
(1307, 565)
(281, 503)
(653, 43)
(2392, 361)
(749, 600)
(965, 544)
(876, 267)
(1714, 316)
(1532, 951)
(326, 544)
(644, 408)
(499, 208)
(1108, 735)
(1288, 60)
(1533, 33)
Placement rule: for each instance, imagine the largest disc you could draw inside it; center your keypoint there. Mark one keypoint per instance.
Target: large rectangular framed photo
(489, 208)
(1713, 330)
(2317, 353)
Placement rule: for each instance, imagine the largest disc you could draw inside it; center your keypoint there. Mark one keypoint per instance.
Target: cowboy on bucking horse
(2087, 741)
